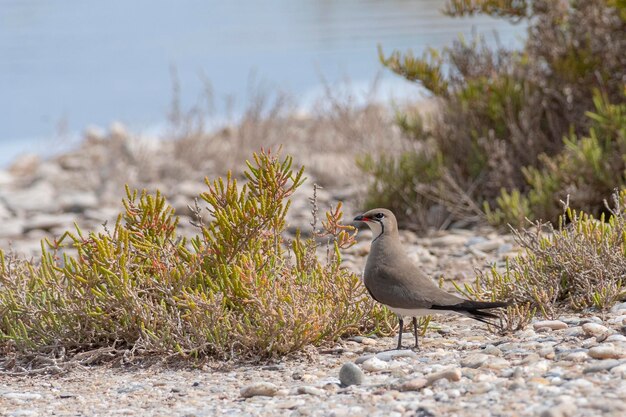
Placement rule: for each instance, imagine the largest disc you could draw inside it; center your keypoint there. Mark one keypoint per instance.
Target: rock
(619, 338)
(309, 390)
(22, 396)
(265, 389)
(350, 374)
(11, 228)
(549, 324)
(78, 202)
(492, 350)
(25, 165)
(547, 352)
(448, 240)
(414, 384)
(517, 383)
(474, 361)
(374, 365)
(606, 351)
(6, 178)
(619, 370)
(49, 222)
(364, 358)
(488, 246)
(594, 329)
(394, 354)
(565, 409)
(38, 198)
(449, 374)
(599, 366)
(577, 356)
(618, 307)
(576, 331)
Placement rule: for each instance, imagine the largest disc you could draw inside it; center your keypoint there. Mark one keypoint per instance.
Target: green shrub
(238, 288)
(585, 171)
(503, 114)
(578, 265)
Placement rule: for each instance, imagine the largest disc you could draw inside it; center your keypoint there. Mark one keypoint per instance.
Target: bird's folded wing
(403, 285)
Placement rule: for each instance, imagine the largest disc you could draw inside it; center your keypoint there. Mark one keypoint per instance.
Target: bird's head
(380, 220)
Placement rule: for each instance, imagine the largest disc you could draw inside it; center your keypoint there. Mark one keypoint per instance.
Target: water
(67, 65)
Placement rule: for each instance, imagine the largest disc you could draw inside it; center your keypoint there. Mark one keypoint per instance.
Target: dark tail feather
(474, 309)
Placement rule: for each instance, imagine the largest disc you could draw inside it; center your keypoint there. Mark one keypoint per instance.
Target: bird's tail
(474, 309)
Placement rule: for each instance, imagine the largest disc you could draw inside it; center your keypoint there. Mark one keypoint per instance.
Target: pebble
(602, 365)
(414, 384)
(309, 390)
(449, 374)
(565, 409)
(618, 307)
(394, 354)
(606, 351)
(474, 361)
(374, 365)
(265, 389)
(594, 329)
(549, 324)
(22, 396)
(351, 374)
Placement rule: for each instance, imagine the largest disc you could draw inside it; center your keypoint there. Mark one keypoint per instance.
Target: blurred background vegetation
(515, 132)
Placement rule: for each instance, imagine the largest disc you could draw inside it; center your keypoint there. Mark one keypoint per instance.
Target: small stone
(618, 307)
(488, 246)
(496, 364)
(492, 350)
(309, 390)
(599, 366)
(619, 370)
(265, 389)
(480, 387)
(517, 383)
(448, 240)
(576, 331)
(606, 351)
(350, 374)
(10, 228)
(364, 358)
(620, 338)
(594, 329)
(549, 324)
(289, 404)
(22, 396)
(577, 356)
(474, 361)
(78, 202)
(414, 384)
(561, 410)
(393, 354)
(374, 365)
(449, 374)
(547, 352)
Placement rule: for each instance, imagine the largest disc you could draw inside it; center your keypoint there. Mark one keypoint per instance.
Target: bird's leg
(417, 346)
(400, 333)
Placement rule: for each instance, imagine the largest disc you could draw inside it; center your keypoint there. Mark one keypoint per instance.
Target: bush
(238, 288)
(580, 264)
(585, 171)
(503, 114)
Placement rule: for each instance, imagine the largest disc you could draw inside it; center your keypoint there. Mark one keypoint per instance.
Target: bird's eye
(379, 215)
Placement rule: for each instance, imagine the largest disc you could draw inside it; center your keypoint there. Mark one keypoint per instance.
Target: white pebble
(550, 324)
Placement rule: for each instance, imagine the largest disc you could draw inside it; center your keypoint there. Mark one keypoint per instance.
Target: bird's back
(394, 280)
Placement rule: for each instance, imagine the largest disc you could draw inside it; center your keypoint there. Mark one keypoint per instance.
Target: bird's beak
(361, 218)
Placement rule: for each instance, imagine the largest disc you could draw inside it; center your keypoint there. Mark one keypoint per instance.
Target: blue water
(65, 65)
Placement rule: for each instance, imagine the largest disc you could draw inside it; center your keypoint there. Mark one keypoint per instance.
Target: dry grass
(579, 265)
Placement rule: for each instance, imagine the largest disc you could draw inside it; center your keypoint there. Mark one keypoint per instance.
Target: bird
(393, 280)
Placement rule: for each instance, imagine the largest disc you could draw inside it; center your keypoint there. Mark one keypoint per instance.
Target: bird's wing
(401, 284)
